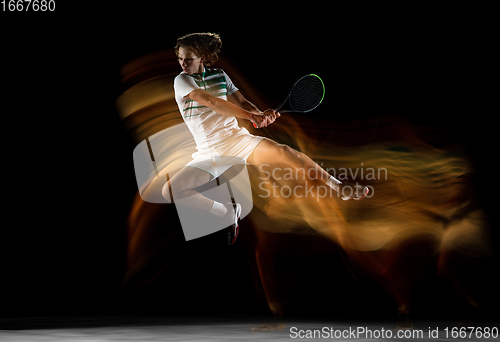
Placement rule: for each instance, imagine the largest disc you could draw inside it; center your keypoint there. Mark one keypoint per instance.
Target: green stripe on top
(207, 84)
(217, 87)
(219, 79)
(194, 107)
(188, 116)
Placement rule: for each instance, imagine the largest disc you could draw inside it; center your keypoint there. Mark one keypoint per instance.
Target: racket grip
(254, 125)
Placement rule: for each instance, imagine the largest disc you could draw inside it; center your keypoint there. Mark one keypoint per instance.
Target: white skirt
(219, 160)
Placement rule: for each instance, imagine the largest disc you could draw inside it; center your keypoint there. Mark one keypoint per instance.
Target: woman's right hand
(265, 118)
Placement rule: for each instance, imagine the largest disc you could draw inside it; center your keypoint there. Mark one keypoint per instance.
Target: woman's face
(190, 63)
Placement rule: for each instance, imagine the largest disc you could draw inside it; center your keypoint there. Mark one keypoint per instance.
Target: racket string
(306, 94)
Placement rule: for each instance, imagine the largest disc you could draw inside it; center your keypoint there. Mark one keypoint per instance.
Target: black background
(71, 181)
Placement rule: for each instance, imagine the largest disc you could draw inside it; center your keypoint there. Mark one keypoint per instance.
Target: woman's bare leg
(269, 152)
(310, 185)
(181, 186)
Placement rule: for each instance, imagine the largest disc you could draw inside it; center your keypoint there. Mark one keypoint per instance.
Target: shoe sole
(367, 190)
(365, 194)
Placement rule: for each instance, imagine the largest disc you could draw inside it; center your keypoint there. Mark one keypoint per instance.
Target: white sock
(333, 183)
(218, 209)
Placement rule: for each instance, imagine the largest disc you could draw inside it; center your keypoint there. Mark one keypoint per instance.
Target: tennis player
(210, 103)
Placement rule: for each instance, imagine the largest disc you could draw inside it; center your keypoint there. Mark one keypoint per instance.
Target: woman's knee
(172, 191)
(290, 154)
(184, 181)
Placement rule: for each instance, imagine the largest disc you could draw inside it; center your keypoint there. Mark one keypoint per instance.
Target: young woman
(210, 103)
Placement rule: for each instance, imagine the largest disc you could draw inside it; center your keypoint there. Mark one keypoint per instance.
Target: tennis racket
(306, 94)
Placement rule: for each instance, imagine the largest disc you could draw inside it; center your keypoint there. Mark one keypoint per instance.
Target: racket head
(306, 94)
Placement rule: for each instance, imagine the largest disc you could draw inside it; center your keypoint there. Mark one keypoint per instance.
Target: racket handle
(254, 125)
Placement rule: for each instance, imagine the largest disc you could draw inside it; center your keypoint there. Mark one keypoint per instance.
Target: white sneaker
(355, 191)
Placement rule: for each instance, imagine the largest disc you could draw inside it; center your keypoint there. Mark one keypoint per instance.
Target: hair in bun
(203, 44)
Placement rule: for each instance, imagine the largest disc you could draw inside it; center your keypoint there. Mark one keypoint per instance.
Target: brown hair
(203, 44)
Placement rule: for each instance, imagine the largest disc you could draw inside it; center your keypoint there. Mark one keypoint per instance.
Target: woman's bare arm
(261, 119)
(238, 99)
